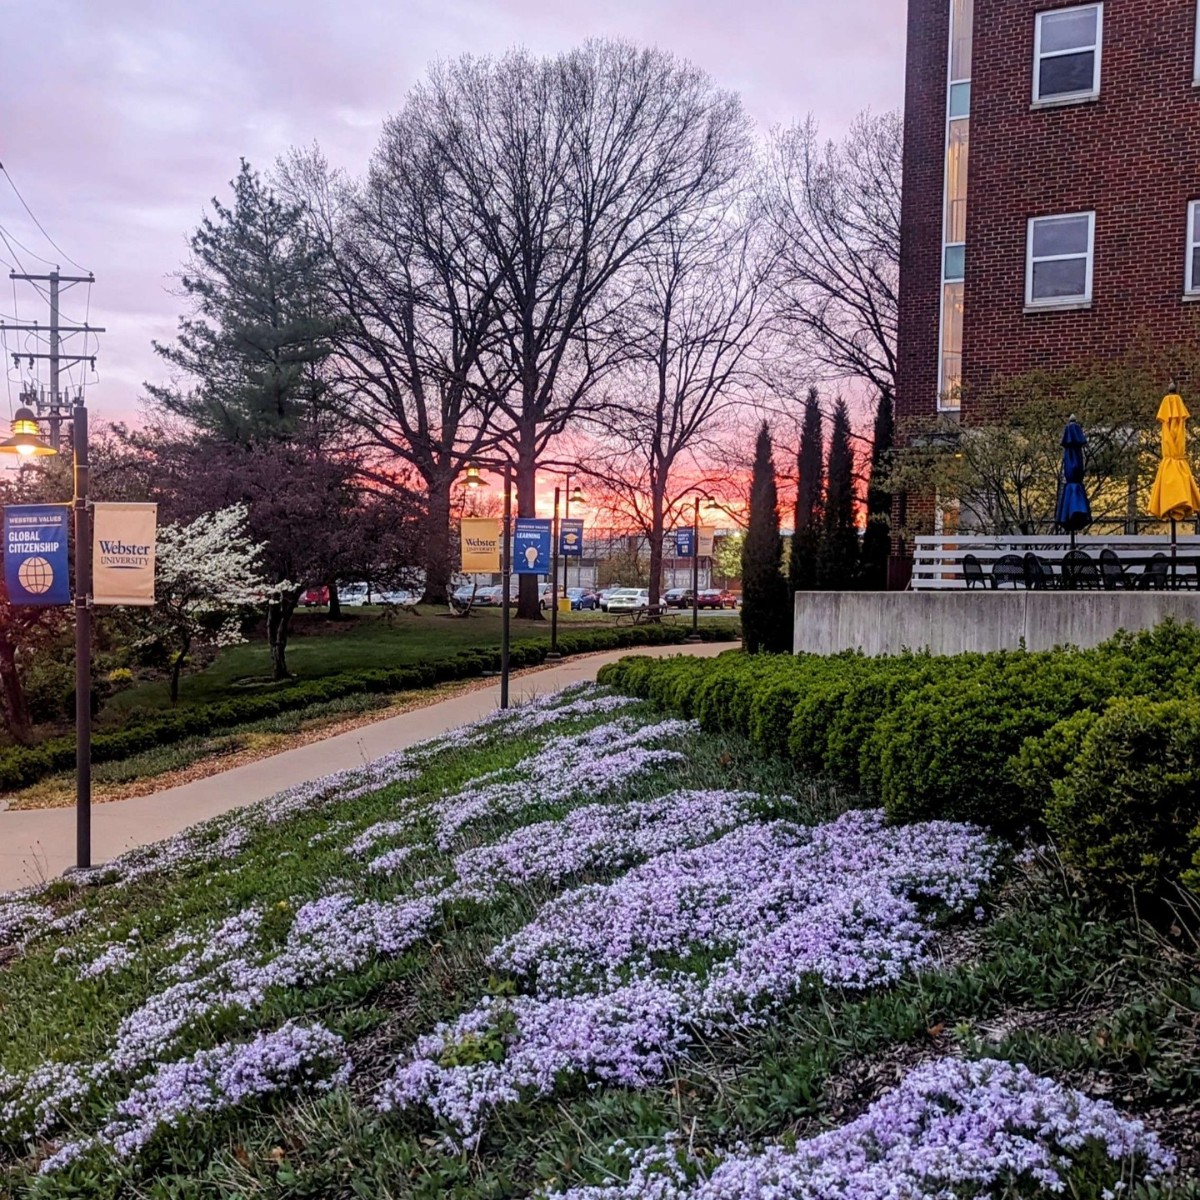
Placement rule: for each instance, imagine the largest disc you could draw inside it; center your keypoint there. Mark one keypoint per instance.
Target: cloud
(121, 120)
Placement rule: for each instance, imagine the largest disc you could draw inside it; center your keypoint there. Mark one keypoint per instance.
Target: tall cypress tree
(766, 615)
(837, 558)
(810, 470)
(876, 543)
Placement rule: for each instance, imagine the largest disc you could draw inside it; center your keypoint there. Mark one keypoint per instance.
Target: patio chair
(1156, 575)
(973, 571)
(1038, 574)
(1008, 571)
(1112, 574)
(1080, 570)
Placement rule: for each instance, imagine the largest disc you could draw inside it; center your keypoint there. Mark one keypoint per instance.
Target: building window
(1058, 260)
(1196, 49)
(1191, 283)
(1066, 54)
(950, 382)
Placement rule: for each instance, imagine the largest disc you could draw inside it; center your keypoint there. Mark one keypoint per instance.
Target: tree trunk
(15, 710)
(437, 543)
(335, 605)
(177, 668)
(279, 619)
(656, 544)
(528, 608)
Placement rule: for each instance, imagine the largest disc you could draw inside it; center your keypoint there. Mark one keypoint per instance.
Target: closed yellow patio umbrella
(1174, 496)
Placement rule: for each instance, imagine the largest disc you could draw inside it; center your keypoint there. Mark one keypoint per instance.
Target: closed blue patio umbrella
(1073, 512)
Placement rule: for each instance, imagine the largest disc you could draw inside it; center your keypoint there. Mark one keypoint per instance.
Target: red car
(315, 597)
(715, 598)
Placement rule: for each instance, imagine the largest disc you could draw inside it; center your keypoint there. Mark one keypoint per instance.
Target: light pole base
(693, 639)
(553, 656)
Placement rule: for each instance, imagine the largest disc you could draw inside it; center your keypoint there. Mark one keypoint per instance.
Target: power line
(16, 191)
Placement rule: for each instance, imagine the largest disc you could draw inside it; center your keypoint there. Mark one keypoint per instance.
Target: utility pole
(56, 412)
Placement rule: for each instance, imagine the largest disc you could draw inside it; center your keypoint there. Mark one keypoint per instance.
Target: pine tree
(876, 544)
(766, 615)
(837, 558)
(802, 565)
(252, 346)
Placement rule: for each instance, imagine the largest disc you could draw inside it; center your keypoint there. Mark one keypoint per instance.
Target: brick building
(1074, 228)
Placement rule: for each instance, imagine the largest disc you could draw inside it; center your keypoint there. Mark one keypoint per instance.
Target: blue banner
(531, 546)
(683, 543)
(570, 538)
(35, 554)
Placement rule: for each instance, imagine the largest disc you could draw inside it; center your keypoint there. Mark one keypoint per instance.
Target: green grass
(363, 640)
(1076, 990)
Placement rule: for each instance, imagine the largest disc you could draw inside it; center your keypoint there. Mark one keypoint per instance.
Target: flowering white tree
(206, 571)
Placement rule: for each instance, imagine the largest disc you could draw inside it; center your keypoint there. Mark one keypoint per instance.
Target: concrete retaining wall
(959, 621)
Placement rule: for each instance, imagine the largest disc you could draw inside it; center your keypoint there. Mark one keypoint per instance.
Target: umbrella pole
(1174, 582)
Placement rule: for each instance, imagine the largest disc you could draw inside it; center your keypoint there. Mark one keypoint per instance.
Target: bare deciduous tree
(834, 208)
(561, 173)
(698, 311)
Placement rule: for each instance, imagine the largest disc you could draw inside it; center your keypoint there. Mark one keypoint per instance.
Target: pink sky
(122, 119)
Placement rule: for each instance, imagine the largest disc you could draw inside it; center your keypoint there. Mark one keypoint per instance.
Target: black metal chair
(1156, 576)
(1008, 571)
(1080, 570)
(973, 571)
(1038, 576)
(1112, 574)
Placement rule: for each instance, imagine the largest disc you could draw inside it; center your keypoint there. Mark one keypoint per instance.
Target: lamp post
(579, 498)
(27, 442)
(474, 480)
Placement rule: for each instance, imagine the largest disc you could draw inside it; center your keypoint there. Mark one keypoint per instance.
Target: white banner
(123, 553)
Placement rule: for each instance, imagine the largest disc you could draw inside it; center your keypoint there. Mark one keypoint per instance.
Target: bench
(651, 614)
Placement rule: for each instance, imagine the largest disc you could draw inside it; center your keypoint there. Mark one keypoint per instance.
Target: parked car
(629, 600)
(402, 597)
(544, 593)
(353, 595)
(582, 598)
(715, 598)
(463, 594)
(605, 595)
(315, 597)
(678, 597)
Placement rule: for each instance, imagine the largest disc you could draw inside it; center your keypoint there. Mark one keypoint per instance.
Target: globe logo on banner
(36, 576)
(35, 554)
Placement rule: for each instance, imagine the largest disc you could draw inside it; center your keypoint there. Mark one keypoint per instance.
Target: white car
(353, 595)
(403, 597)
(629, 600)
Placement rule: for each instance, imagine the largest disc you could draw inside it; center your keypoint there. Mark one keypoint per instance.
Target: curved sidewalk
(40, 843)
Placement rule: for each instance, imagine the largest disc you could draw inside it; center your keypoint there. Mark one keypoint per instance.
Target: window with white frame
(1066, 53)
(1058, 260)
(1191, 282)
(1196, 49)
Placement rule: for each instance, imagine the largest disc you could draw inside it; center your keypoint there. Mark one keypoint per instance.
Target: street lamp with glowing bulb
(26, 438)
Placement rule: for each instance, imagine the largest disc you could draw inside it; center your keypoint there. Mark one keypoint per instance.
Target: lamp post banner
(570, 538)
(123, 553)
(683, 543)
(531, 546)
(480, 544)
(35, 554)
(707, 534)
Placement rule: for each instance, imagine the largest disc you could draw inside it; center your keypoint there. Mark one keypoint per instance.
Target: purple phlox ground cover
(609, 835)
(950, 1128)
(597, 761)
(761, 911)
(295, 1055)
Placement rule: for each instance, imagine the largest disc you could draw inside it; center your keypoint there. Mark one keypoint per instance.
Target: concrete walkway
(40, 843)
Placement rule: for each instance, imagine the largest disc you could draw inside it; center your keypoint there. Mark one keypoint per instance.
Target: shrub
(1130, 801)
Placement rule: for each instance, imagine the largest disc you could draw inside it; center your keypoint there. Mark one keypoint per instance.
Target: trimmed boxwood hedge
(989, 738)
(22, 766)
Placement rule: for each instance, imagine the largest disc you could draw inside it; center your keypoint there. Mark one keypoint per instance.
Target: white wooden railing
(937, 561)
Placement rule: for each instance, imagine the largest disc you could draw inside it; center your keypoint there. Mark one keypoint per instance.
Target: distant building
(1051, 210)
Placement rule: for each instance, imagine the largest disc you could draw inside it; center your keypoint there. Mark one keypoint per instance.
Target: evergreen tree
(837, 558)
(766, 613)
(802, 566)
(876, 545)
(252, 346)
